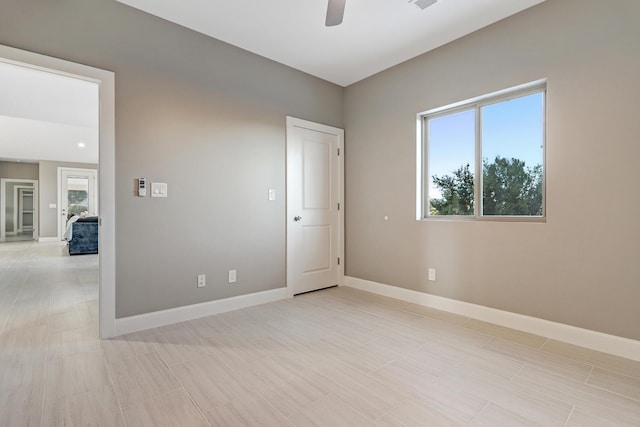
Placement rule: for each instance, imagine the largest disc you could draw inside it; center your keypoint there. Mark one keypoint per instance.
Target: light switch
(158, 189)
(272, 194)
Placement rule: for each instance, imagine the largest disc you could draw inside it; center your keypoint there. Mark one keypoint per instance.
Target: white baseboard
(619, 346)
(141, 322)
(49, 239)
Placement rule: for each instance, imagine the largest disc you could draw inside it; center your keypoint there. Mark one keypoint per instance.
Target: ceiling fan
(335, 10)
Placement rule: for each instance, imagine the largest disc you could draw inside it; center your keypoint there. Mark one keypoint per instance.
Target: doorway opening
(77, 195)
(105, 81)
(19, 207)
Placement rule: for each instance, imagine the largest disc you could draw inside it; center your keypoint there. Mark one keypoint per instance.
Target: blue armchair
(84, 236)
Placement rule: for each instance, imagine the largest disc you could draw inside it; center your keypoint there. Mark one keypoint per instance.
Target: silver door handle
(297, 218)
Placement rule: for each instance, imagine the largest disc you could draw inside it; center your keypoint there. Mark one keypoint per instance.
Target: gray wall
(49, 194)
(15, 170)
(200, 115)
(18, 170)
(581, 266)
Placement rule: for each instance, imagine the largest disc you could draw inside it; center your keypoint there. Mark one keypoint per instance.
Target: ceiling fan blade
(335, 12)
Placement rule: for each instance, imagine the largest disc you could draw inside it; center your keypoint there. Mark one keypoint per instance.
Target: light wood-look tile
(619, 410)
(75, 374)
(178, 347)
(615, 383)
(168, 410)
(452, 401)
(580, 418)
(526, 403)
(288, 387)
(127, 347)
(569, 368)
(367, 357)
(630, 368)
(80, 340)
(22, 405)
(335, 357)
(390, 314)
(66, 321)
(139, 378)
(247, 411)
(329, 411)
(210, 383)
(412, 413)
(513, 335)
(490, 362)
(451, 333)
(93, 408)
(418, 356)
(206, 326)
(493, 415)
(361, 391)
(18, 372)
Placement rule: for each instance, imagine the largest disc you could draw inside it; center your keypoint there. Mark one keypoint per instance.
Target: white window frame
(422, 153)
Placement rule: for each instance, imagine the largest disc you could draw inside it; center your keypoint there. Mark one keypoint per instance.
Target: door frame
(18, 200)
(293, 122)
(96, 185)
(3, 205)
(106, 169)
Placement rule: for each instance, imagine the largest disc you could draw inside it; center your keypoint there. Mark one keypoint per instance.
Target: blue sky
(512, 128)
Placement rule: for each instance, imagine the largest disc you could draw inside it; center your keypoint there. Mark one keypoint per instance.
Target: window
(484, 158)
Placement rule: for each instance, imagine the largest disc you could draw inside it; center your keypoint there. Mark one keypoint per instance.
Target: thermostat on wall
(142, 187)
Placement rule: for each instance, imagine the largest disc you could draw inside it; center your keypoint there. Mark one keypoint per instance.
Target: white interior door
(78, 194)
(314, 206)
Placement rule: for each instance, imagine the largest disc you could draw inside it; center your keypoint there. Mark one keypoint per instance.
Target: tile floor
(338, 357)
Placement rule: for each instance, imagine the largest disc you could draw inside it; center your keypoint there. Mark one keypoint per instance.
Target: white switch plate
(158, 189)
(232, 276)
(202, 280)
(52, 205)
(432, 274)
(272, 194)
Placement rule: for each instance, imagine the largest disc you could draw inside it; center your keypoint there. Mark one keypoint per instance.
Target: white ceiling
(44, 116)
(375, 34)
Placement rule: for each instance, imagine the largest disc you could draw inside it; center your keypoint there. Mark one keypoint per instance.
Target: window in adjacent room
(484, 158)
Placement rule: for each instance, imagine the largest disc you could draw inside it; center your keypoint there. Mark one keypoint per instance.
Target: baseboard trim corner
(141, 322)
(618, 346)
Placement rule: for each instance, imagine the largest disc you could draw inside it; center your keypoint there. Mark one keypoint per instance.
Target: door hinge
(338, 260)
(338, 151)
(338, 206)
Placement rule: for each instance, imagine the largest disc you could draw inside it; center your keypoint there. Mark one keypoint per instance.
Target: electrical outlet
(232, 276)
(432, 274)
(202, 280)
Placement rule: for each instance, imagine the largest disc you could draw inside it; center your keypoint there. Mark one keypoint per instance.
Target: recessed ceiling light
(81, 144)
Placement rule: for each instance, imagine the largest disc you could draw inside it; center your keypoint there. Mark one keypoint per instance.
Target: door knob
(297, 218)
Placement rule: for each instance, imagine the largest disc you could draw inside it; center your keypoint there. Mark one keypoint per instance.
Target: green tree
(509, 188)
(78, 201)
(457, 193)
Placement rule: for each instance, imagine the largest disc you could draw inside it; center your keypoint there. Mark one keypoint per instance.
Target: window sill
(470, 218)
